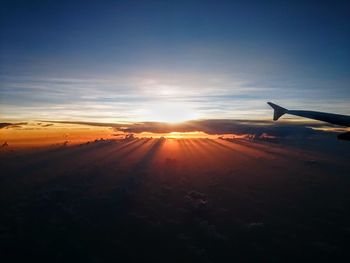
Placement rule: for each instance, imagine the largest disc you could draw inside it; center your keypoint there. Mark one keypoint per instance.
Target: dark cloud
(7, 125)
(44, 125)
(262, 129)
(99, 124)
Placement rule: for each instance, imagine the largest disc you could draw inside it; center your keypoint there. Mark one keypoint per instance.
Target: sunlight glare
(171, 112)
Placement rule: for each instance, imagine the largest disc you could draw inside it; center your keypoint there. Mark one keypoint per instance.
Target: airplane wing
(337, 119)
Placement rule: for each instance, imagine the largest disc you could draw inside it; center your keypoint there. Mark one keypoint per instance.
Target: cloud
(241, 128)
(6, 125)
(130, 97)
(263, 129)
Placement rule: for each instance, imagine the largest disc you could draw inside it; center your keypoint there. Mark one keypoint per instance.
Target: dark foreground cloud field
(177, 200)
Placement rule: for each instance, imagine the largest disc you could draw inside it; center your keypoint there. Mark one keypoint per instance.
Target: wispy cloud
(137, 97)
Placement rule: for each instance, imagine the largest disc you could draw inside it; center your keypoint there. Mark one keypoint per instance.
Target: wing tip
(278, 111)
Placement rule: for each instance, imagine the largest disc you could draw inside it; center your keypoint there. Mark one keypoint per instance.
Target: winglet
(278, 111)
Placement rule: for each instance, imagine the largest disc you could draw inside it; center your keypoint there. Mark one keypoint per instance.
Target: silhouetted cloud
(262, 129)
(99, 124)
(11, 125)
(44, 125)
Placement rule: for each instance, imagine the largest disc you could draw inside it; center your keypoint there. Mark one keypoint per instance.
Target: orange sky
(33, 135)
(43, 134)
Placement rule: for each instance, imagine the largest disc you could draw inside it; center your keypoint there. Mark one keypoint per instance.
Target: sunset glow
(40, 134)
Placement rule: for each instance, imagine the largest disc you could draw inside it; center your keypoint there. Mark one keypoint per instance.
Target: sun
(172, 112)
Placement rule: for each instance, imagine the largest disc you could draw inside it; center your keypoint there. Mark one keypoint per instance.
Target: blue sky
(159, 60)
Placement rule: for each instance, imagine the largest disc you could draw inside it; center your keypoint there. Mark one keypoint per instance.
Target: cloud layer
(155, 97)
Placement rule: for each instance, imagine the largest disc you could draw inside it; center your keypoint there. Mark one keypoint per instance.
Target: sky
(131, 61)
